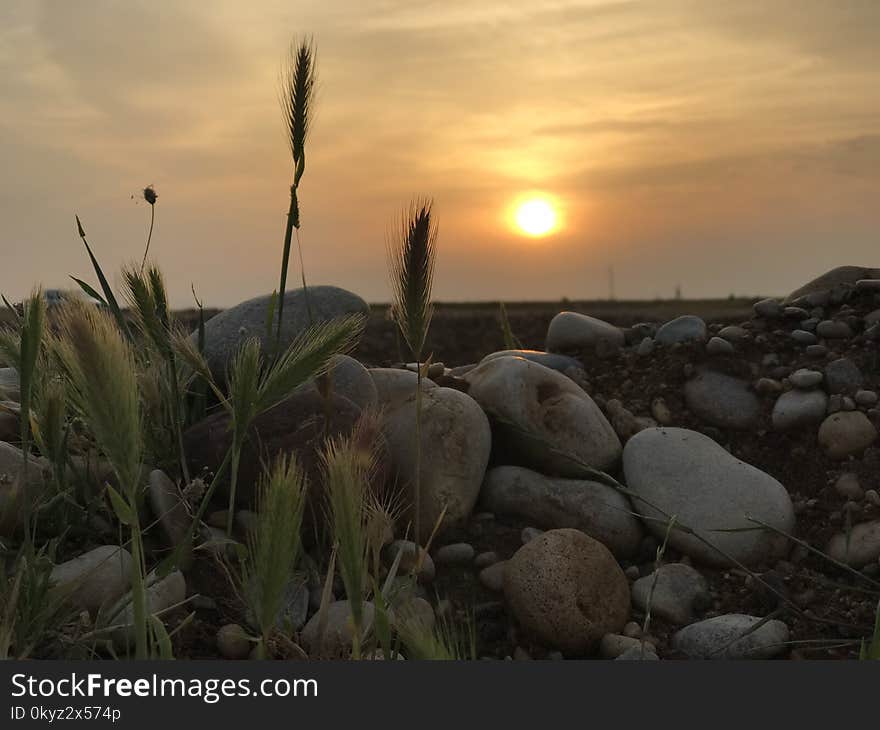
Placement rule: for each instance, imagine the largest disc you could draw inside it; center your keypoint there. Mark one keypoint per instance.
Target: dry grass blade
(411, 257)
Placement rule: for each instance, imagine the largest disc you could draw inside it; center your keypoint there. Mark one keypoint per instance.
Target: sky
(720, 147)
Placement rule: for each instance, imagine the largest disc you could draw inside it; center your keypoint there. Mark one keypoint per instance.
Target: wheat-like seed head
(298, 78)
(100, 367)
(411, 257)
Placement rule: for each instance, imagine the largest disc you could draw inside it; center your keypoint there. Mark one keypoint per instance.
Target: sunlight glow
(536, 216)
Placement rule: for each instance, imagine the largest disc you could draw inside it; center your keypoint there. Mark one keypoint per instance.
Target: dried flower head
(150, 195)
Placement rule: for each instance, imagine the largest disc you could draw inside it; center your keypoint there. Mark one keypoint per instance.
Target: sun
(536, 216)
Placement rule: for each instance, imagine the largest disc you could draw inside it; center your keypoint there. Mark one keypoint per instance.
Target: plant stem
(138, 594)
(176, 415)
(149, 236)
(285, 261)
(302, 271)
(417, 497)
(233, 482)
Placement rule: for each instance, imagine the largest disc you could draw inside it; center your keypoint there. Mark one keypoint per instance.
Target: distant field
(463, 332)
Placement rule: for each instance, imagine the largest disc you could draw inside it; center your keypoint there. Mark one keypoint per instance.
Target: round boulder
(846, 433)
(541, 419)
(226, 331)
(455, 444)
(549, 503)
(685, 474)
(566, 589)
(570, 331)
(721, 400)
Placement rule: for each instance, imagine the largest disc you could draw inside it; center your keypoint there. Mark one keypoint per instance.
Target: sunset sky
(723, 146)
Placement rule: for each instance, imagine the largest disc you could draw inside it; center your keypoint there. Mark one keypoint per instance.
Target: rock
(225, 332)
(624, 423)
(660, 411)
(409, 560)
(733, 333)
(721, 400)
(848, 486)
(566, 589)
(162, 594)
(485, 559)
(725, 637)
(572, 331)
(858, 548)
(492, 577)
(395, 385)
(94, 579)
(799, 408)
(596, 509)
(840, 277)
(613, 645)
(435, 369)
(686, 328)
(529, 533)
(169, 508)
(415, 616)
(12, 484)
(642, 652)
(456, 441)
(769, 308)
(538, 413)
(717, 346)
(458, 553)
(296, 426)
(687, 474)
(338, 632)
(295, 606)
(680, 592)
(843, 376)
(348, 378)
(803, 337)
(866, 398)
(233, 642)
(646, 347)
(561, 363)
(846, 433)
(768, 386)
(9, 384)
(806, 379)
(833, 330)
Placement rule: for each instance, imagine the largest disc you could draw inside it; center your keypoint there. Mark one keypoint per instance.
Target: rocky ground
(717, 468)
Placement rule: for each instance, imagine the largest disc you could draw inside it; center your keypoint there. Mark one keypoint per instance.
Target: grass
(298, 78)
(274, 545)
(411, 257)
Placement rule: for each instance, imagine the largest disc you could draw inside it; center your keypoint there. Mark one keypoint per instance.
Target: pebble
(457, 553)
(409, 559)
(798, 408)
(686, 328)
(613, 645)
(233, 642)
(866, 398)
(679, 593)
(718, 346)
(848, 487)
(717, 638)
(769, 308)
(803, 337)
(858, 547)
(339, 629)
(846, 433)
(94, 579)
(484, 560)
(638, 653)
(843, 376)
(493, 576)
(646, 347)
(529, 533)
(723, 401)
(830, 330)
(806, 379)
(570, 331)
